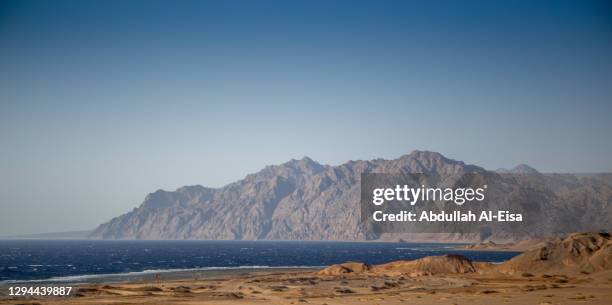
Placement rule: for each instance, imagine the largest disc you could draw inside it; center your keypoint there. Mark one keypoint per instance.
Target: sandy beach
(309, 287)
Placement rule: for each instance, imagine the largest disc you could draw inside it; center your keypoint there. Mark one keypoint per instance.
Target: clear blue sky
(101, 103)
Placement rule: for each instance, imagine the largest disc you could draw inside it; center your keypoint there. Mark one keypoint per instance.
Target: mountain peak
(307, 159)
(423, 161)
(426, 155)
(305, 164)
(304, 200)
(523, 169)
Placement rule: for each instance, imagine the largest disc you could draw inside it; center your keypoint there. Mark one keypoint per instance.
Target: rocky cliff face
(304, 200)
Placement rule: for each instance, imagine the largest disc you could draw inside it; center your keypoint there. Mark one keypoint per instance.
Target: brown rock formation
(346, 268)
(577, 253)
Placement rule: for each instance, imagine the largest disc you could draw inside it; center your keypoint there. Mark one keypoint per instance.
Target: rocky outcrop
(345, 268)
(577, 253)
(430, 265)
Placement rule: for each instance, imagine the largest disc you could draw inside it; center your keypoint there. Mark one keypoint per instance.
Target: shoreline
(164, 274)
(574, 270)
(313, 287)
(462, 248)
(148, 258)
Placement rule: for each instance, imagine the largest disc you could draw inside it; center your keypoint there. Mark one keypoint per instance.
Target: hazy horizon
(102, 103)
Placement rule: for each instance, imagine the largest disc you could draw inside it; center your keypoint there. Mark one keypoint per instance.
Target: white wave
(84, 277)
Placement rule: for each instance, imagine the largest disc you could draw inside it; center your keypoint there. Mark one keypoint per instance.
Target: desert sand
(576, 270)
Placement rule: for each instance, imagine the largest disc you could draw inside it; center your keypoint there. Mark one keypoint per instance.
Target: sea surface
(86, 261)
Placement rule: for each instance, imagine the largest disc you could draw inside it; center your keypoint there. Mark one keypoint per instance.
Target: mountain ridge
(305, 200)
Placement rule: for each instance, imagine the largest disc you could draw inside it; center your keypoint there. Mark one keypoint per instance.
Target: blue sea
(80, 261)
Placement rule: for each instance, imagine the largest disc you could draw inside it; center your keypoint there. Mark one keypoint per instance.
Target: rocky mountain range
(305, 200)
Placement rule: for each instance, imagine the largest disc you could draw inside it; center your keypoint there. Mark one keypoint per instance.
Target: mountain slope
(304, 200)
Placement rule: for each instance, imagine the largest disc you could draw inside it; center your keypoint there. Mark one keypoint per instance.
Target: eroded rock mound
(578, 253)
(346, 268)
(430, 265)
